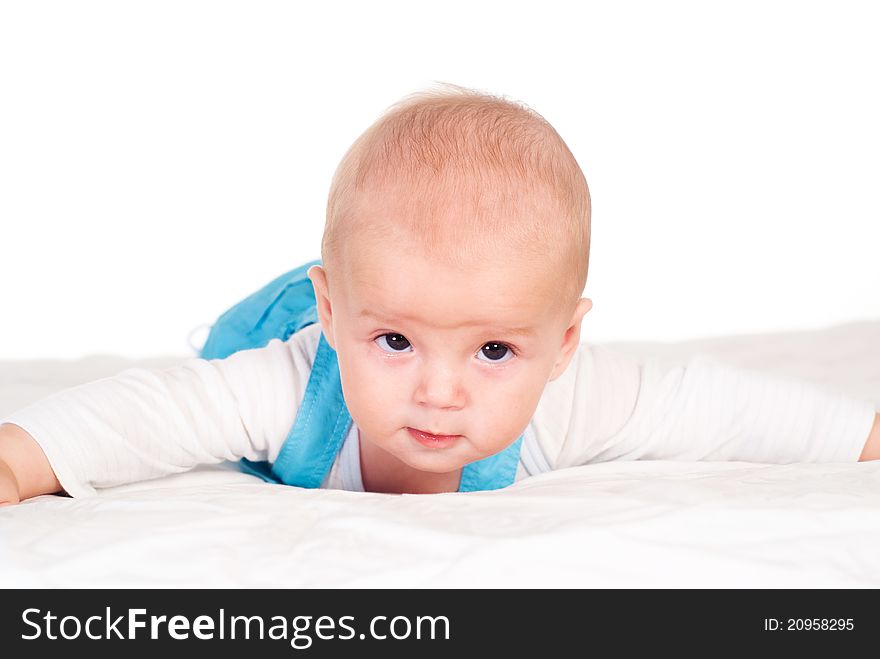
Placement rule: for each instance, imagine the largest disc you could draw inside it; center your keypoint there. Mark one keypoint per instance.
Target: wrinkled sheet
(609, 525)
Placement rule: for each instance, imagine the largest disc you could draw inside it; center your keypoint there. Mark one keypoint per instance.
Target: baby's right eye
(397, 343)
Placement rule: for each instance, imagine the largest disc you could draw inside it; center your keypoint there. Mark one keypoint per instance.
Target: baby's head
(455, 253)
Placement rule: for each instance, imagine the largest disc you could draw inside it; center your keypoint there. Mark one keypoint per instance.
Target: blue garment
(278, 310)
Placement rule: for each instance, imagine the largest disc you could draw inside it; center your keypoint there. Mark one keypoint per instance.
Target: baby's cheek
(504, 408)
(524, 400)
(369, 391)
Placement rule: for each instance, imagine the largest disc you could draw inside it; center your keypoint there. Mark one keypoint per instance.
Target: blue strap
(492, 473)
(321, 425)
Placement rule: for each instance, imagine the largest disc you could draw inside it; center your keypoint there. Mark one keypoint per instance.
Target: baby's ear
(319, 279)
(318, 276)
(571, 338)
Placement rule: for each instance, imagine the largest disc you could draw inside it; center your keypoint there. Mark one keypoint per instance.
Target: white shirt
(145, 423)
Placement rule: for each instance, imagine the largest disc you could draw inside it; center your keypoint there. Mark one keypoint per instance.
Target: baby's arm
(631, 409)
(708, 410)
(146, 423)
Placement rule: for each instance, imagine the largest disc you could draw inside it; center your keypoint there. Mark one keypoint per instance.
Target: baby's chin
(433, 463)
(437, 461)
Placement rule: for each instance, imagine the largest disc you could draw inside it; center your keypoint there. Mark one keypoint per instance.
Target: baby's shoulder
(303, 344)
(599, 362)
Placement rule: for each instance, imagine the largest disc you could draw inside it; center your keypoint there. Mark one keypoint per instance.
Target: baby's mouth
(431, 440)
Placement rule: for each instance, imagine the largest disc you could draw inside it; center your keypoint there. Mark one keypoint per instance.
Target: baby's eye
(495, 352)
(397, 343)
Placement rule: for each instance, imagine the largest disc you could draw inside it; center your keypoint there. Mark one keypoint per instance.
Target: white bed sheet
(616, 524)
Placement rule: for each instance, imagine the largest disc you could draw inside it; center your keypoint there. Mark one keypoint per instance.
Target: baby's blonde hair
(468, 172)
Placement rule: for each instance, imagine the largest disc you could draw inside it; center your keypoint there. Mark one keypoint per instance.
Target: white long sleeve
(623, 408)
(144, 423)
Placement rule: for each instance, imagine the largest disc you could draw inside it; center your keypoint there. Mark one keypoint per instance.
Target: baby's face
(448, 351)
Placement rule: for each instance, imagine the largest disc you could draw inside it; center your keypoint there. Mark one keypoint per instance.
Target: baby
(449, 308)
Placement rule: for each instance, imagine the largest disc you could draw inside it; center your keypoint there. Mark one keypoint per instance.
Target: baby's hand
(24, 470)
(9, 493)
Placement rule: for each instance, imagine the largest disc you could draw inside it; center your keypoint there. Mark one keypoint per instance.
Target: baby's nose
(441, 387)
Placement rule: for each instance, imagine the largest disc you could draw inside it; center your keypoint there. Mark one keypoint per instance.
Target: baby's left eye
(495, 352)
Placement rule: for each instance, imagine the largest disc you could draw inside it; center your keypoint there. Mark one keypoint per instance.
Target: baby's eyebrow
(514, 331)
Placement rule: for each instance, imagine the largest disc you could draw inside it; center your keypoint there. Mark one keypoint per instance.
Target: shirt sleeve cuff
(859, 428)
(50, 439)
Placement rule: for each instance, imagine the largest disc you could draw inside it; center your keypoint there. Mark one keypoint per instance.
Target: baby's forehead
(391, 281)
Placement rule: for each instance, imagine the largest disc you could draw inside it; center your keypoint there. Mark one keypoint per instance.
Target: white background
(159, 161)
